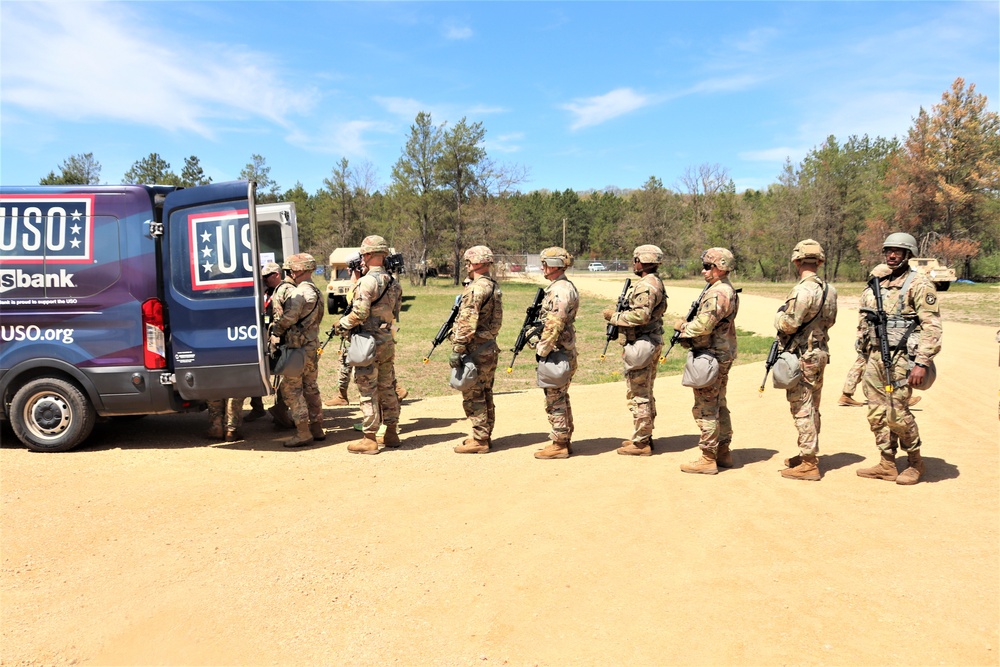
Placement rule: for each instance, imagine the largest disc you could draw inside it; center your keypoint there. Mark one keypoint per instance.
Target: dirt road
(150, 547)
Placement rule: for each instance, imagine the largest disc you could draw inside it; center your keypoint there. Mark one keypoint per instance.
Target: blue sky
(582, 95)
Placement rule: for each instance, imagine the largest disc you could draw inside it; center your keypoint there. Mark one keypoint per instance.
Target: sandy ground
(151, 547)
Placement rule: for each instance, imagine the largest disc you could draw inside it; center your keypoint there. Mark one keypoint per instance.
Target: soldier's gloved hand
(542, 350)
(455, 360)
(679, 325)
(607, 313)
(273, 343)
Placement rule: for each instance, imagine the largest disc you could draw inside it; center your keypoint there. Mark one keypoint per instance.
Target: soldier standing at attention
(713, 330)
(914, 336)
(802, 323)
(474, 334)
(375, 308)
(647, 301)
(557, 316)
(298, 327)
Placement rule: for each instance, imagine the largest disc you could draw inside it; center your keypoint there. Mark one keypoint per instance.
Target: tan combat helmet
(648, 254)
(901, 240)
(270, 268)
(374, 245)
(302, 261)
(478, 254)
(720, 258)
(556, 257)
(808, 249)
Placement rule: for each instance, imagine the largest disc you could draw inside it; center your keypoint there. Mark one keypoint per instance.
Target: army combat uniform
(298, 313)
(557, 315)
(474, 333)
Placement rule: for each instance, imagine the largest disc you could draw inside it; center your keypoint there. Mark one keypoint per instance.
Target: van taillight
(153, 342)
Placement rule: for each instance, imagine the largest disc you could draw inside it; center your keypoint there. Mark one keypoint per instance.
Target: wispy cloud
(588, 111)
(778, 154)
(101, 62)
(505, 143)
(458, 32)
(349, 138)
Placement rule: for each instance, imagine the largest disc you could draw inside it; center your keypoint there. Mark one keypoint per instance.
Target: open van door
(212, 291)
(277, 232)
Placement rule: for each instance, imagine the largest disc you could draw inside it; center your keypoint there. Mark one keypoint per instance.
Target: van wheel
(50, 415)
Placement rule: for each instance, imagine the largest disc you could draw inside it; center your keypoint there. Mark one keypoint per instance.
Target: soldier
(914, 332)
(474, 334)
(558, 333)
(647, 301)
(377, 299)
(225, 419)
(296, 324)
(802, 323)
(713, 330)
(270, 275)
(279, 296)
(344, 374)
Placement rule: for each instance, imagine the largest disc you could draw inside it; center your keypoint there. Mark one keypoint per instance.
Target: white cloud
(777, 154)
(505, 143)
(458, 32)
(101, 61)
(349, 138)
(602, 108)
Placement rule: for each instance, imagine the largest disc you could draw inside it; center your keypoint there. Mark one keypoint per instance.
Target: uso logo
(221, 254)
(47, 228)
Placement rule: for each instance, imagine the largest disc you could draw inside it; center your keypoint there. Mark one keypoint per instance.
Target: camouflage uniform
(377, 299)
(854, 375)
(647, 302)
(298, 313)
(225, 416)
(474, 333)
(805, 303)
(714, 329)
(557, 315)
(889, 415)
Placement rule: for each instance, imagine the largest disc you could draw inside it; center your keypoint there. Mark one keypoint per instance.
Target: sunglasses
(707, 267)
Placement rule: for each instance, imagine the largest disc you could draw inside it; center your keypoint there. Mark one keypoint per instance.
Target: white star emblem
(206, 252)
(75, 243)
(206, 237)
(207, 266)
(75, 229)
(77, 215)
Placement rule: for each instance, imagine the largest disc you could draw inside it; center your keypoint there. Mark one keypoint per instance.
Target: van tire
(51, 415)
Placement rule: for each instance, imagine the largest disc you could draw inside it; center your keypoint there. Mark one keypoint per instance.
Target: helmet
(808, 249)
(302, 261)
(648, 254)
(374, 244)
(479, 254)
(901, 240)
(270, 268)
(557, 257)
(720, 258)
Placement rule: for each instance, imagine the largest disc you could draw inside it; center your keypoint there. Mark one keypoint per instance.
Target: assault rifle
(772, 359)
(612, 330)
(879, 319)
(445, 329)
(690, 316)
(531, 327)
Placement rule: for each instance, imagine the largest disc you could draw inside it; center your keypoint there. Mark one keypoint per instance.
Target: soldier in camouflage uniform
(279, 296)
(713, 330)
(225, 418)
(802, 323)
(474, 334)
(296, 324)
(344, 374)
(271, 277)
(914, 333)
(557, 315)
(374, 310)
(647, 302)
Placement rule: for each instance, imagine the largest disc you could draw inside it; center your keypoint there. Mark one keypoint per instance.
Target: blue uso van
(130, 300)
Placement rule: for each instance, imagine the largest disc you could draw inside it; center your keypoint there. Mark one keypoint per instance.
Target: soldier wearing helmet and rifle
(642, 324)
(900, 331)
(802, 323)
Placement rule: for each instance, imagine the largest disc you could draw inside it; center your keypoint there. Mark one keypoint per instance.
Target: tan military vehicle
(940, 275)
(340, 279)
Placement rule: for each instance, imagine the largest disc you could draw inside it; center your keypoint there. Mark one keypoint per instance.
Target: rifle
(445, 329)
(772, 359)
(612, 330)
(329, 336)
(879, 318)
(531, 327)
(690, 316)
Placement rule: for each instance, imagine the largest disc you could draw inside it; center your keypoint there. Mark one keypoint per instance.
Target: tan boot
(630, 448)
(401, 392)
(473, 446)
(317, 432)
(848, 401)
(914, 471)
(913, 400)
(391, 437)
(724, 456)
(793, 461)
(705, 465)
(885, 469)
(233, 435)
(303, 436)
(554, 450)
(808, 469)
(338, 400)
(366, 445)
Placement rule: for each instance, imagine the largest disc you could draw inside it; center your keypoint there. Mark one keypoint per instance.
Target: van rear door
(212, 291)
(277, 232)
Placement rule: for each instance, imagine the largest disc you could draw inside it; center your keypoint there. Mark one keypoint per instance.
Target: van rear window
(215, 244)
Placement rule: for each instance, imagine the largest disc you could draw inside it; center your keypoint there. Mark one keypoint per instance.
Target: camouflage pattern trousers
(804, 398)
(557, 407)
(301, 393)
(889, 414)
(478, 400)
(377, 384)
(641, 402)
(344, 374)
(226, 413)
(711, 413)
(854, 375)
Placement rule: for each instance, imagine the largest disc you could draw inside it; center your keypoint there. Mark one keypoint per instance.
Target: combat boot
(911, 401)
(473, 446)
(401, 392)
(807, 469)
(303, 436)
(630, 448)
(554, 450)
(232, 435)
(390, 437)
(848, 401)
(885, 469)
(793, 461)
(705, 465)
(282, 420)
(317, 432)
(366, 445)
(255, 414)
(338, 400)
(914, 470)
(724, 456)
(215, 431)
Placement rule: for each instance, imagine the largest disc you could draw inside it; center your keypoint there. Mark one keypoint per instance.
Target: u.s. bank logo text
(55, 229)
(221, 254)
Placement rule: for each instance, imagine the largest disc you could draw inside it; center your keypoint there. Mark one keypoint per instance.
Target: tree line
(940, 183)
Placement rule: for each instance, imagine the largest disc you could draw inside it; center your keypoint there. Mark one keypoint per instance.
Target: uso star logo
(36, 228)
(220, 248)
